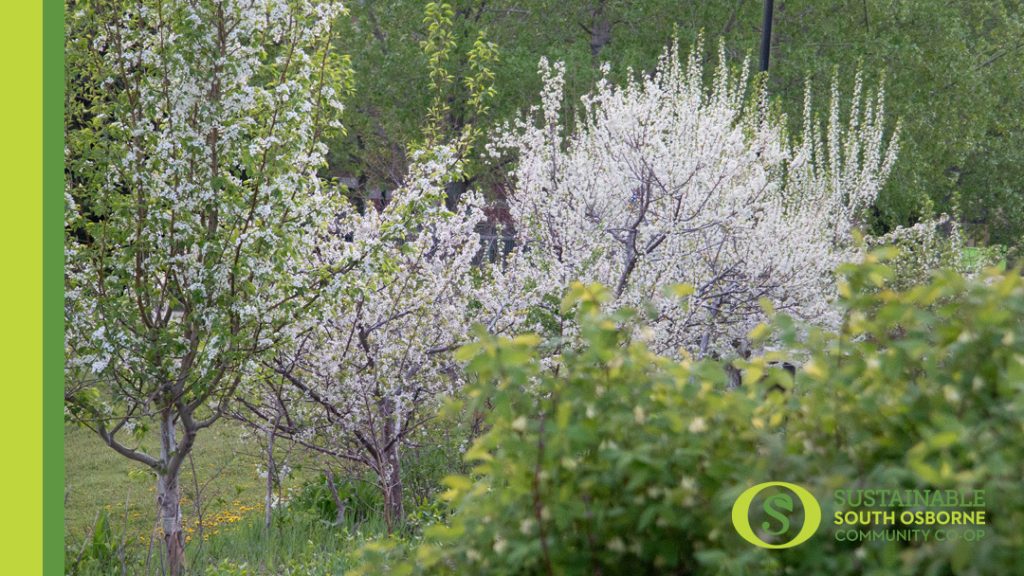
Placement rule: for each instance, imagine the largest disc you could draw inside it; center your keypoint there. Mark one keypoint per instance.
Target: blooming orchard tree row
(212, 271)
(663, 182)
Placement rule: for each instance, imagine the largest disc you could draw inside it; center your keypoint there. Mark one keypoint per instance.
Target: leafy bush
(618, 461)
(360, 496)
(930, 246)
(102, 552)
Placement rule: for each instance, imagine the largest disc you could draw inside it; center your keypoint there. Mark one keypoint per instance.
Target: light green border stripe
(53, 287)
(21, 299)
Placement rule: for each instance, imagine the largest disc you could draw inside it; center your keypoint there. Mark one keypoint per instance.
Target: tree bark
(168, 498)
(454, 192)
(600, 29)
(271, 473)
(735, 377)
(391, 469)
(394, 510)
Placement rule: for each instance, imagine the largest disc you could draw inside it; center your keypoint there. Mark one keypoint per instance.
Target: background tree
(954, 75)
(192, 201)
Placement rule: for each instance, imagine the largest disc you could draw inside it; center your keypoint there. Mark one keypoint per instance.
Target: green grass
(302, 540)
(98, 479)
(980, 256)
(298, 543)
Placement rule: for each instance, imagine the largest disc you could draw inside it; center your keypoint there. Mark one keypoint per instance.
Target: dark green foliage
(360, 497)
(953, 71)
(621, 462)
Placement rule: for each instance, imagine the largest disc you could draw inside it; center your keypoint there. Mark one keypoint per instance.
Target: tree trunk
(453, 193)
(390, 466)
(393, 510)
(271, 473)
(735, 377)
(600, 30)
(168, 498)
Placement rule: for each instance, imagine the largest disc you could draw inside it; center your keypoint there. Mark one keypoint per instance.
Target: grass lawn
(98, 479)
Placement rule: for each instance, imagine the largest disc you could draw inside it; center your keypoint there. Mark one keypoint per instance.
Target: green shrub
(360, 496)
(103, 551)
(930, 246)
(621, 462)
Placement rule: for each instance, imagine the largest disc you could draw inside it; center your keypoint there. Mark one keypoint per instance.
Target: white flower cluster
(202, 206)
(666, 180)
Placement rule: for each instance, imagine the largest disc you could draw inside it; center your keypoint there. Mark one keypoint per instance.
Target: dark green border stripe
(53, 287)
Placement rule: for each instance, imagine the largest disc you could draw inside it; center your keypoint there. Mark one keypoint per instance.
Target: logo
(779, 513)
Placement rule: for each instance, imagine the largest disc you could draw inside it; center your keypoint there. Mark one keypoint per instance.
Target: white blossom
(666, 180)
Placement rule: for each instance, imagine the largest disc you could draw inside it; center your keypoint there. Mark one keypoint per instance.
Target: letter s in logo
(772, 507)
(783, 501)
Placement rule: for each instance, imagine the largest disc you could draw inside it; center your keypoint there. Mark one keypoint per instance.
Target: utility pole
(766, 34)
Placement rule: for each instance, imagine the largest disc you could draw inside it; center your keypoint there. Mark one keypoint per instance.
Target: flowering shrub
(667, 179)
(625, 462)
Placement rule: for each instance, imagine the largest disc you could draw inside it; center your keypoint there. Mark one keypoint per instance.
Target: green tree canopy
(952, 70)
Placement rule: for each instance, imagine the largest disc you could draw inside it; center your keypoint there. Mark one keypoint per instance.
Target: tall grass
(305, 536)
(298, 541)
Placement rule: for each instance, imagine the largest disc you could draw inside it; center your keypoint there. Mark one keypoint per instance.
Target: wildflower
(519, 424)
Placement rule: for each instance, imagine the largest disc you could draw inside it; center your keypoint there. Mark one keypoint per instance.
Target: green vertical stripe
(53, 287)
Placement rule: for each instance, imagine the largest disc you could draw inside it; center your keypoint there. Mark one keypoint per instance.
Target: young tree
(365, 376)
(666, 180)
(193, 203)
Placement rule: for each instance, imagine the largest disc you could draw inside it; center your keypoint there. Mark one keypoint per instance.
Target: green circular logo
(777, 506)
